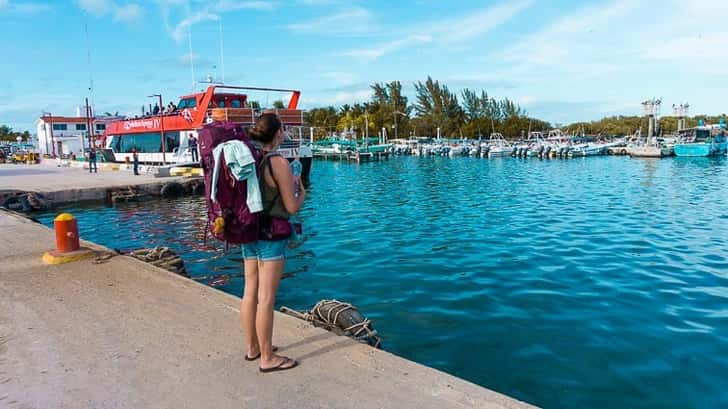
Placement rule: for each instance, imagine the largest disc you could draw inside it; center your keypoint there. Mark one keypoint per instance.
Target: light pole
(366, 129)
(161, 126)
(395, 113)
(50, 127)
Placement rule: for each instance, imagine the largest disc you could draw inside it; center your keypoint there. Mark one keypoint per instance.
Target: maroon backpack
(228, 219)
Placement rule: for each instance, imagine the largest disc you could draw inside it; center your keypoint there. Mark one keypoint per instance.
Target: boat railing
(247, 116)
(292, 143)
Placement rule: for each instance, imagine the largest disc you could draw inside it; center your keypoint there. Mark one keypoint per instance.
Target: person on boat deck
(92, 161)
(192, 144)
(155, 111)
(135, 157)
(265, 259)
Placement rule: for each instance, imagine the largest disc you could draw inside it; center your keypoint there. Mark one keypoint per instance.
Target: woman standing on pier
(282, 195)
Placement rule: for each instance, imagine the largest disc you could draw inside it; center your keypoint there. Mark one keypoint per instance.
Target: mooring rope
(361, 331)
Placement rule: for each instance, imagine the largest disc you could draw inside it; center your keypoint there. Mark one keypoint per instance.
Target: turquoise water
(598, 282)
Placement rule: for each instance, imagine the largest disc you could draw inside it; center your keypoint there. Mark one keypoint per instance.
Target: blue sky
(563, 60)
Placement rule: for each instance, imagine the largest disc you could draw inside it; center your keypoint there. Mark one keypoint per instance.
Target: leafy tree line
(628, 125)
(7, 134)
(469, 114)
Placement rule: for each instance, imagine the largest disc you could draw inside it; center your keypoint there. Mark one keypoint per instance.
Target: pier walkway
(125, 334)
(71, 184)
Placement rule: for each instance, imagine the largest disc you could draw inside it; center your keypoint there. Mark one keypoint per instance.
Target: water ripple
(582, 283)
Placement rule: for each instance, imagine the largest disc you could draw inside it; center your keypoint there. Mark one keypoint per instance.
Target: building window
(60, 127)
(100, 127)
(80, 127)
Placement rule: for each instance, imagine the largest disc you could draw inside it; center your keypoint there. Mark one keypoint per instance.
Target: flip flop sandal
(253, 358)
(280, 367)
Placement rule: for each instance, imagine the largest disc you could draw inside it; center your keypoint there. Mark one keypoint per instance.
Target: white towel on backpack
(240, 161)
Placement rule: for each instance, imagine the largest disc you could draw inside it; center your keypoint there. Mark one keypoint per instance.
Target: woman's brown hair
(266, 127)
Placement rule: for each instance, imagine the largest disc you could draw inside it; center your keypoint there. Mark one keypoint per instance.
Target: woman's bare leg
(249, 306)
(269, 278)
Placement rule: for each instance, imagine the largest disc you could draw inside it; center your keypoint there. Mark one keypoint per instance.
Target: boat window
(187, 103)
(149, 142)
(115, 143)
(235, 103)
(60, 127)
(172, 140)
(80, 127)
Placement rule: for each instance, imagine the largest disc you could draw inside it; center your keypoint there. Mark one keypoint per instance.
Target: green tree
(438, 107)
(252, 104)
(7, 134)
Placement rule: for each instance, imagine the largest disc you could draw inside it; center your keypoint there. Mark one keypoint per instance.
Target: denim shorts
(265, 250)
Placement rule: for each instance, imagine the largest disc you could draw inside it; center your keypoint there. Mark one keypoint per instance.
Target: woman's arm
(286, 186)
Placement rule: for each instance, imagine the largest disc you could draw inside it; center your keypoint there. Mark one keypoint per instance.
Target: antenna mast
(192, 64)
(222, 53)
(88, 60)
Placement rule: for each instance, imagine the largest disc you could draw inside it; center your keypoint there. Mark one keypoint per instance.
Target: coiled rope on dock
(341, 318)
(162, 257)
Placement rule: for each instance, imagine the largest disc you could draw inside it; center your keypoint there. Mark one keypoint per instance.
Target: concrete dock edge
(125, 334)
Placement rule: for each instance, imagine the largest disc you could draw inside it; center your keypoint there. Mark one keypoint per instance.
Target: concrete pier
(125, 334)
(69, 184)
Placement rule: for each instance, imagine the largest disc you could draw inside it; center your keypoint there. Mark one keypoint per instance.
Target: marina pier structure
(62, 185)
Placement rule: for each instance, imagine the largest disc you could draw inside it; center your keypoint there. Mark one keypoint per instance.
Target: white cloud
(613, 36)
(353, 20)
(24, 7)
(340, 78)
(180, 30)
(31, 8)
(478, 22)
(373, 53)
(179, 15)
(337, 98)
(701, 49)
(230, 5)
(319, 2)
(187, 57)
(96, 7)
(565, 41)
(349, 97)
(445, 32)
(128, 13)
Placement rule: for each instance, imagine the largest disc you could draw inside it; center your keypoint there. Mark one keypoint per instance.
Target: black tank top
(271, 195)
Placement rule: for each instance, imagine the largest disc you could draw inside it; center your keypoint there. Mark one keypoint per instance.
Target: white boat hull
(649, 151)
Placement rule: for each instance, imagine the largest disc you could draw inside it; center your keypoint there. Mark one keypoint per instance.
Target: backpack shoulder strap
(267, 163)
